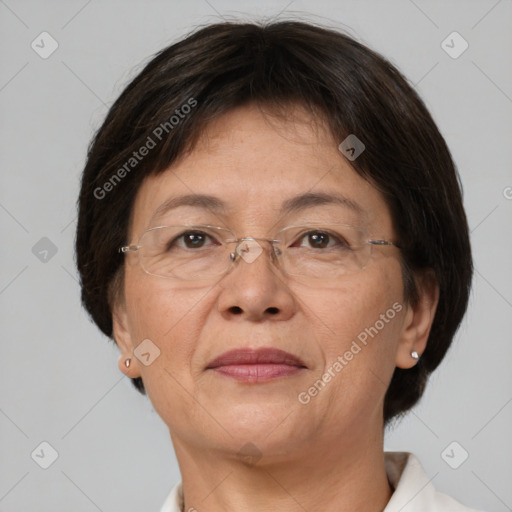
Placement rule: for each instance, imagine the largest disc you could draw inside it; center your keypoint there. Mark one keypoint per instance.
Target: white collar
(413, 490)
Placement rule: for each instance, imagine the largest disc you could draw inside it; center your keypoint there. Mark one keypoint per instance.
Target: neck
(336, 478)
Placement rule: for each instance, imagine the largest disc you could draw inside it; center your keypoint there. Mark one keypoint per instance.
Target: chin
(270, 427)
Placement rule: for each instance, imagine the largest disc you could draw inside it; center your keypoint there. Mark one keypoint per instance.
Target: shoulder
(414, 491)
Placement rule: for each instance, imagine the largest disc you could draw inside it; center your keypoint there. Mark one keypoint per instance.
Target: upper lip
(255, 356)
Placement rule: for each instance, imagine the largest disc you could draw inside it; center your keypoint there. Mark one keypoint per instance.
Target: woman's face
(253, 165)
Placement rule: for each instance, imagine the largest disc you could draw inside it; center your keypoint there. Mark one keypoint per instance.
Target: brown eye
(193, 240)
(318, 240)
(190, 240)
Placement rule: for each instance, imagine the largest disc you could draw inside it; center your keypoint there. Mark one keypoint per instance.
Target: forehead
(257, 164)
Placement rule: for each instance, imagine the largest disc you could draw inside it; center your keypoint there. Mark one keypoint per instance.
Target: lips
(256, 365)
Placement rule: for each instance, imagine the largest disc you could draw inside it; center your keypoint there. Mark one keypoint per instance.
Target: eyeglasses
(201, 252)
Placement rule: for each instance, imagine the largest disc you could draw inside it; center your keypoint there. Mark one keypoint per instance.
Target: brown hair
(356, 91)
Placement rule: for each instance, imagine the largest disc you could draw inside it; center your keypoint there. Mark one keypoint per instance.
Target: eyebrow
(203, 201)
(311, 199)
(292, 205)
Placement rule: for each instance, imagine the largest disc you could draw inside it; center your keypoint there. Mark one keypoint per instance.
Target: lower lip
(257, 372)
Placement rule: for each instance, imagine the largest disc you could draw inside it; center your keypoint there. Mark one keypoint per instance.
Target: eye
(191, 240)
(321, 240)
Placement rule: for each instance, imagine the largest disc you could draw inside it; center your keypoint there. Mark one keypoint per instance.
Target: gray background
(59, 381)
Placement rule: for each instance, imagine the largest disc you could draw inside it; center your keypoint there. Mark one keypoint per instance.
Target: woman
(271, 229)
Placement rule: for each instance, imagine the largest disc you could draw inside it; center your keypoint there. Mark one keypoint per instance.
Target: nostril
(236, 310)
(273, 311)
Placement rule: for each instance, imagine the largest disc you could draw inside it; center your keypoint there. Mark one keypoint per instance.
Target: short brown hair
(354, 89)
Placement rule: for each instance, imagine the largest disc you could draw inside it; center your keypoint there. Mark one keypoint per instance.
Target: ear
(123, 338)
(418, 320)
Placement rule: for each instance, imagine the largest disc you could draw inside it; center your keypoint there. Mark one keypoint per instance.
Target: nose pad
(249, 249)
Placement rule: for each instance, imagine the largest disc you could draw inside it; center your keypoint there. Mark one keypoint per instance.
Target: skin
(327, 454)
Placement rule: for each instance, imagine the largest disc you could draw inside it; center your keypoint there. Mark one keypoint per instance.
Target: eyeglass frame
(233, 256)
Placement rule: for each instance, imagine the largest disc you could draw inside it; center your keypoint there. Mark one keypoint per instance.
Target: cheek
(360, 323)
(171, 318)
(155, 305)
(168, 316)
(356, 305)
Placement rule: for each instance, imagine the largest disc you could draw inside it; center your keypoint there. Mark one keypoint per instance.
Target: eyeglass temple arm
(383, 242)
(129, 248)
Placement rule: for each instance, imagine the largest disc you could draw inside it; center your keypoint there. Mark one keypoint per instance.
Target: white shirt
(413, 490)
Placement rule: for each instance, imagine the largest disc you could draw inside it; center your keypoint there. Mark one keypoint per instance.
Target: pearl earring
(127, 362)
(415, 355)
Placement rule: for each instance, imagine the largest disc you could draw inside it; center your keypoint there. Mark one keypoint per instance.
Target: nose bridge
(253, 288)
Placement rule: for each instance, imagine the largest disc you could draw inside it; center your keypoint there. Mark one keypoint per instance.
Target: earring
(415, 355)
(127, 362)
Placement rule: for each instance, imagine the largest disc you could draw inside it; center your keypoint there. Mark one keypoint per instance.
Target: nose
(255, 289)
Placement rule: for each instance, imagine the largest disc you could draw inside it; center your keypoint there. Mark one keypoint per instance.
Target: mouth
(259, 365)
